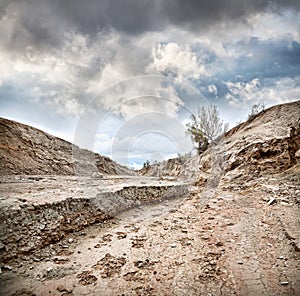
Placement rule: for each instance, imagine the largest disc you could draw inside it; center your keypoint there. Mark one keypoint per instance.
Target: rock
(61, 288)
(140, 264)
(284, 283)
(121, 235)
(173, 245)
(97, 175)
(297, 155)
(272, 201)
(70, 240)
(7, 267)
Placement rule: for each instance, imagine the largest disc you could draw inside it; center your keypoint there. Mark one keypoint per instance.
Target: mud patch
(86, 278)
(109, 265)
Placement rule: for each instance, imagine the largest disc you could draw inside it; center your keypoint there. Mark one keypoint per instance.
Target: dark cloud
(200, 15)
(43, 22)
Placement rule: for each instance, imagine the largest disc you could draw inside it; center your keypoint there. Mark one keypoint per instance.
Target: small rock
(284, 283)
(61, 288)
(71, 240)
(36, 259)
(173, 245)
(7, 267)
(272, 201)
(121, 235)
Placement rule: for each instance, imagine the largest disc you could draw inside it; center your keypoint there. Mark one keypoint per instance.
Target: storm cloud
(43, 22)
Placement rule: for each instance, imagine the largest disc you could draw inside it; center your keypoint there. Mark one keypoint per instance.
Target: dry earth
(236, 232)
(233, 243)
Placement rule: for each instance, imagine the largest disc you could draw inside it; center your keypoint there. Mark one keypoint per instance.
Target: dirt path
(232, 244)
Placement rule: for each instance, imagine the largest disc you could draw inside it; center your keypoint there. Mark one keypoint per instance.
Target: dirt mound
(266, 143)
(170, 167)
(25, 150)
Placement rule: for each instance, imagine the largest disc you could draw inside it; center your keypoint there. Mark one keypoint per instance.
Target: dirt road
(237, 242)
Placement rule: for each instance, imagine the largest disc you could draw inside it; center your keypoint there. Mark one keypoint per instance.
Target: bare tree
(205, 126)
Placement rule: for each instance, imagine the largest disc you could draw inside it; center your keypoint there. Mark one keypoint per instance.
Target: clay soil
(239, 239)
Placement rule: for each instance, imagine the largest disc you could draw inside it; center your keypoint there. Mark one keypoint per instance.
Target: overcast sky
(122, 77)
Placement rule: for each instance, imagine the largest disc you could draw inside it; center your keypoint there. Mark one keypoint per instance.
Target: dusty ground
(232, 243)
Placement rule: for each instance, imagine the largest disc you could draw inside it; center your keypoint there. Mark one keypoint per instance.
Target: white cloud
(287, 25)
(179, 60)
(212, 89)
(67, 77)
(241, 92)
(272, 92)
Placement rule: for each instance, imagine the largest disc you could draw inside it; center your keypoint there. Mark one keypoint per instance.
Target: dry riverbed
(237, 241)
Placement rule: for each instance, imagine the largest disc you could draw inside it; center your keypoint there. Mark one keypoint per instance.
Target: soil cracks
(233, 243)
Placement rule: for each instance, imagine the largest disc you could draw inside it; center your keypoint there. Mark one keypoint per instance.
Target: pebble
(272, 201)
(71, 240)
(173, 245)
(284, 283)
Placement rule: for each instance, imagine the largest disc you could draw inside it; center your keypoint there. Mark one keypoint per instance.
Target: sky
(122, 78)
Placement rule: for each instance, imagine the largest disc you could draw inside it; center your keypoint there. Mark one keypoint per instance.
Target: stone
(272, 201)
(284, 283)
